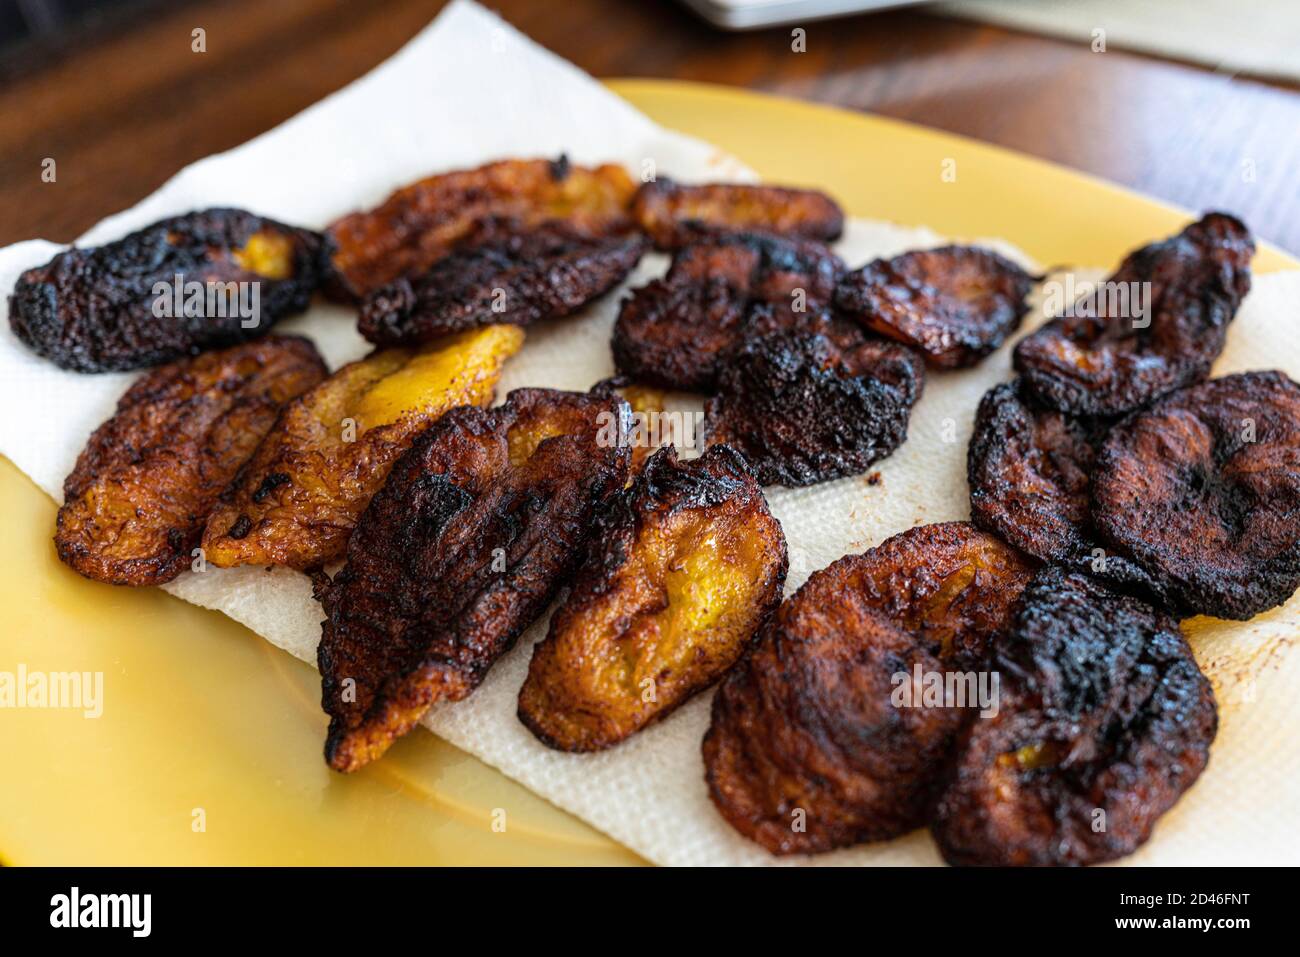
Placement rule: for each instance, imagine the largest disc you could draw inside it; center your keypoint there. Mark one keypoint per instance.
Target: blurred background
(1196, 102)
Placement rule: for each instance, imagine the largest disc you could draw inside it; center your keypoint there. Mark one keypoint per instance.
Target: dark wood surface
(123, 109)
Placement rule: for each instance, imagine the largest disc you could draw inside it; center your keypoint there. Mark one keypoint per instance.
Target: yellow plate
(205, 724)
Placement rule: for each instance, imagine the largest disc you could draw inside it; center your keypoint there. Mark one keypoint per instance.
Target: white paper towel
(485, 92)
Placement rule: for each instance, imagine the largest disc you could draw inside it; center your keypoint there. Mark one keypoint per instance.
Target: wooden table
(123, 110)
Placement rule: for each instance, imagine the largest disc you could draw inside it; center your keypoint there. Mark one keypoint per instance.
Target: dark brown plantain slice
(674, 214)
(466, 544)
(955, 304)
(1156, 325)
(1105, 721)
(1202, 490)
(720, 291)
(762, 266)
(1029, 471)
(546, 273)
(812, 745)
(172, 289)
(420, 223)
(1030, 475)
(685, 567)
(135, 504)
(804, 408)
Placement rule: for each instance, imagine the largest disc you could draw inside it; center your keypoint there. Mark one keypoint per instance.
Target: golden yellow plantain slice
(295, 503)
(684, 568)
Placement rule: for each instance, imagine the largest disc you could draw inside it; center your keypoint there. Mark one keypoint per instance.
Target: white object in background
(752, 14)
(1261, 38)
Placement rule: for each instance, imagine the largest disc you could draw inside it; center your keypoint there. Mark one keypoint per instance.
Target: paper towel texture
(485, 92)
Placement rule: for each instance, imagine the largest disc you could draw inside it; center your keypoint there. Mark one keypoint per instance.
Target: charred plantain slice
(135, 503)
(1156, 325)
(546, 273)
(466, 544)
(296, 501)
(720, 291)
(804, 408)
(1030, 475)
(420, 223)
(761, 266)
(1105, 721)
(1202, 491)
(810, 748)
(675, 215)
(684, 568)
(1030, 472)
(173, 289)
(955, 304)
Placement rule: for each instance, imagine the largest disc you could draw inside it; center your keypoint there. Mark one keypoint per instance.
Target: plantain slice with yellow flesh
(685, 567)
(297, 500)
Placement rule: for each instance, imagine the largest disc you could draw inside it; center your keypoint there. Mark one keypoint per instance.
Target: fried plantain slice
(1029, 471)
(685, 567)
(1105, 721)
(1156, 325)
(719, 291)
(200, 281)
(675, 215)
(1202, 491)
(420, 223)
(545, 273)
(811, 745)
(804, 408)
(954, 304)
(135, 503)
(652, 426)
(465, 545)
(1030, 476)
(296, 501)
